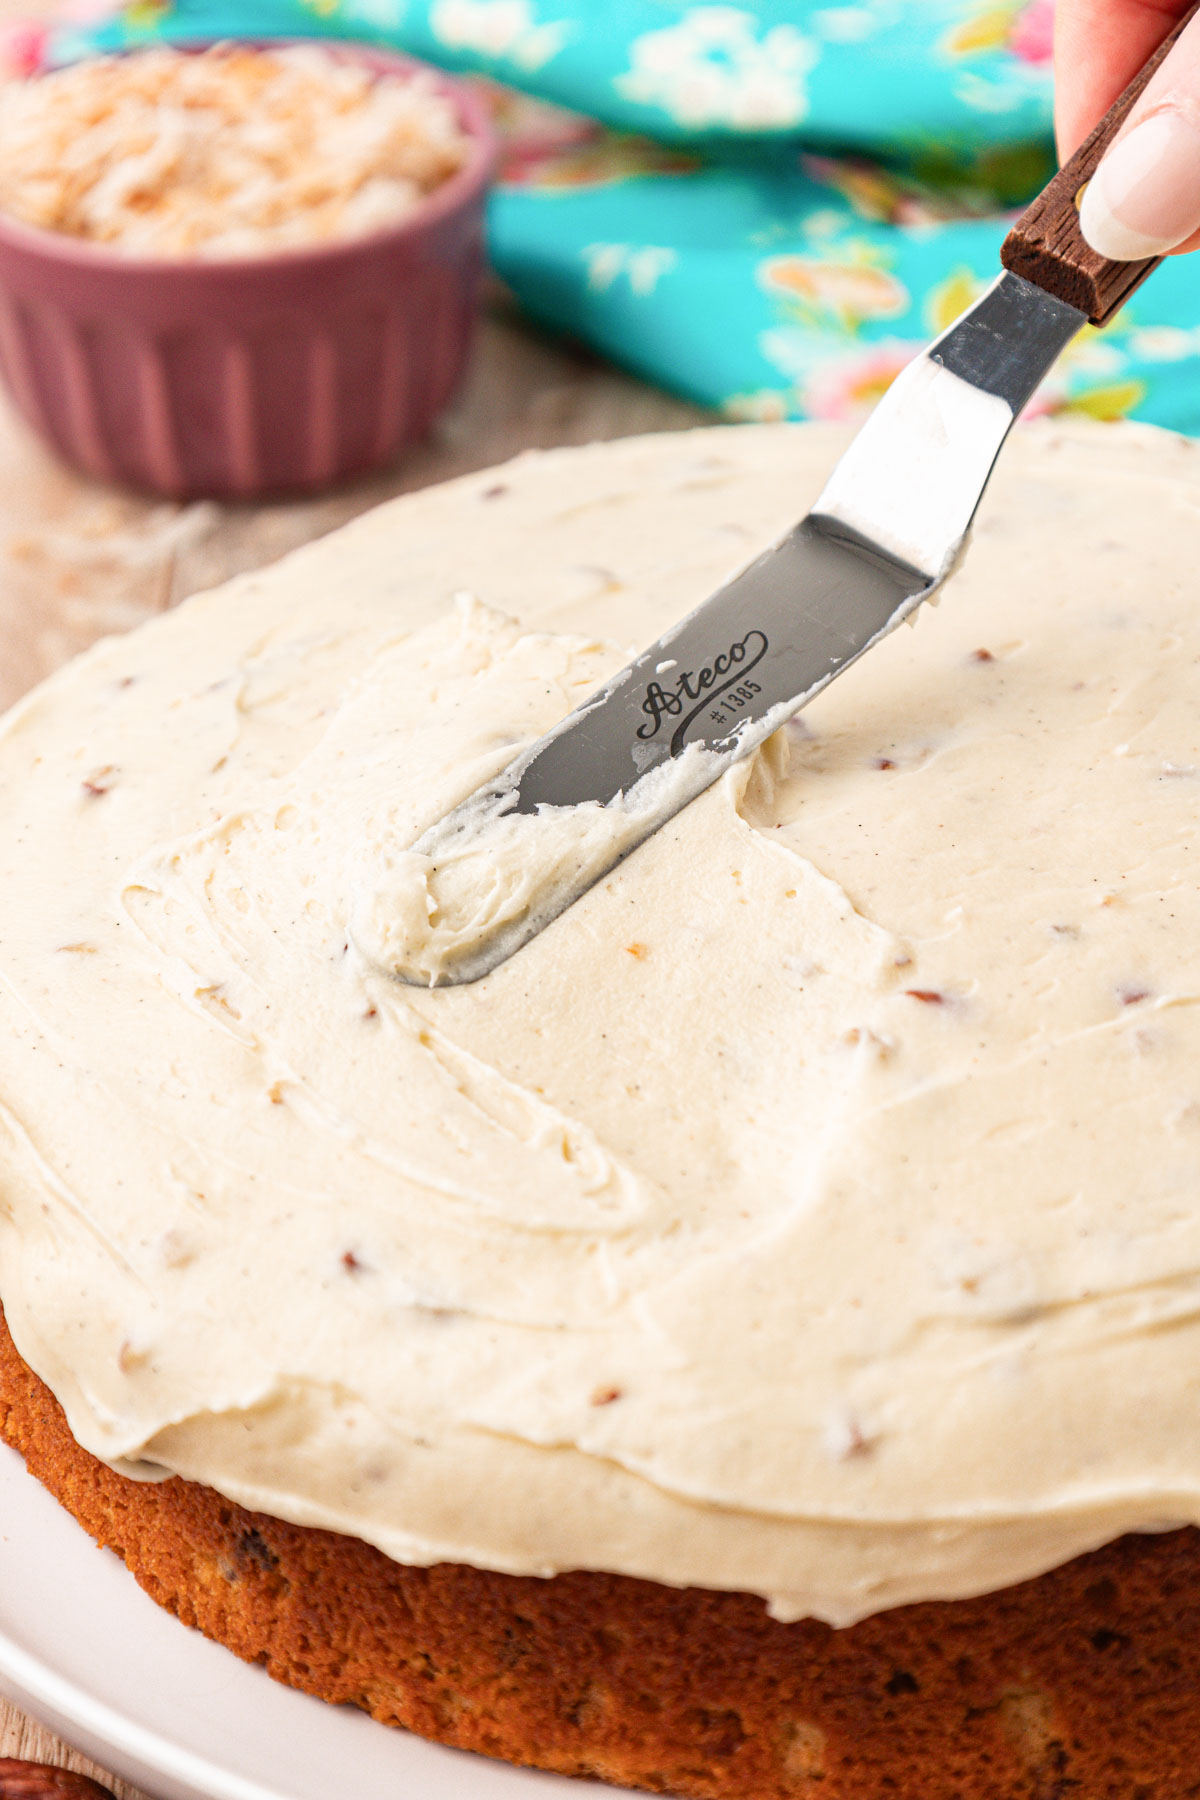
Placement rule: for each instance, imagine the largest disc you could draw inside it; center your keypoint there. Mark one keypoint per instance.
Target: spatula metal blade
(882, 538)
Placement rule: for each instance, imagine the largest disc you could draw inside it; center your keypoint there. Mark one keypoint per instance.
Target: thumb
(1144, 198)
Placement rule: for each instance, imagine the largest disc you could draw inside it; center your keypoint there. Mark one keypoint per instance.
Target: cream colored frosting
(447, 906)
(812, 1209)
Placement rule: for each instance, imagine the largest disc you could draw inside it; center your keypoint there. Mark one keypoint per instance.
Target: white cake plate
(83, 1649)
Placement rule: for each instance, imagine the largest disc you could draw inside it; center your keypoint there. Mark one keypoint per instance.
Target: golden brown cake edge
(1084, 1683)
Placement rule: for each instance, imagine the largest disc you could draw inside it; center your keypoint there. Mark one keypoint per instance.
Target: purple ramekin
(236, 378)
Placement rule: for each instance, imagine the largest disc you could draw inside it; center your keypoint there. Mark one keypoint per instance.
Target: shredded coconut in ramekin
(230, 152)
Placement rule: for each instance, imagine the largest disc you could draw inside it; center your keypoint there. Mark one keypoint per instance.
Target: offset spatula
(887, 531)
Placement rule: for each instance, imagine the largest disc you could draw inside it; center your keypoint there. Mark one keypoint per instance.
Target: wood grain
(1046, 245)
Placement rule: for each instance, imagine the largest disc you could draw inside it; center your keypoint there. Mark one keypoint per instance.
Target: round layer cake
(715, 1350)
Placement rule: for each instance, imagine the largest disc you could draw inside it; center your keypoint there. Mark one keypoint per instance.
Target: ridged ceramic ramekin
(261, 375)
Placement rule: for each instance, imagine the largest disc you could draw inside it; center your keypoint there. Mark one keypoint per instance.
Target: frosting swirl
(809, 1210)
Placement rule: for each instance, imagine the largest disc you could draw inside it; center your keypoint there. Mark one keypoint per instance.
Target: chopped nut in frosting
(233, 151)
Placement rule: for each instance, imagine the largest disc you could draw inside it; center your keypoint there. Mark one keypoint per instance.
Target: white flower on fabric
(1003, 91)
(1164, 343)
(792, 350)
(844, 24)
(643, 266)
(385, 15)
(714, 68)
(1094, 357)
(507, 29)
(825, 223)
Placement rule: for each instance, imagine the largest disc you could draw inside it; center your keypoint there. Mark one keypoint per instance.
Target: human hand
(1144, 199)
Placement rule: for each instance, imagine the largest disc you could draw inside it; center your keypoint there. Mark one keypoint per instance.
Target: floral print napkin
(766, 207)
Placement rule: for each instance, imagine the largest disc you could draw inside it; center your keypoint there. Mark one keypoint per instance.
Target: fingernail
(1145, 196)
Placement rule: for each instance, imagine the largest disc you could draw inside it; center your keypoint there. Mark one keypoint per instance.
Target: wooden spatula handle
(1046, 245)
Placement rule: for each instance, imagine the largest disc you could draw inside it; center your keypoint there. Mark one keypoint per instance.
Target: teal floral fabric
(766, 207)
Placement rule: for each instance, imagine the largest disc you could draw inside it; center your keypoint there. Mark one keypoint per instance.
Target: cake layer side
(808, 1212)
(1084, 1681)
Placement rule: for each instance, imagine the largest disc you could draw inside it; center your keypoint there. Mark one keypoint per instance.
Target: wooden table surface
(78, 561)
